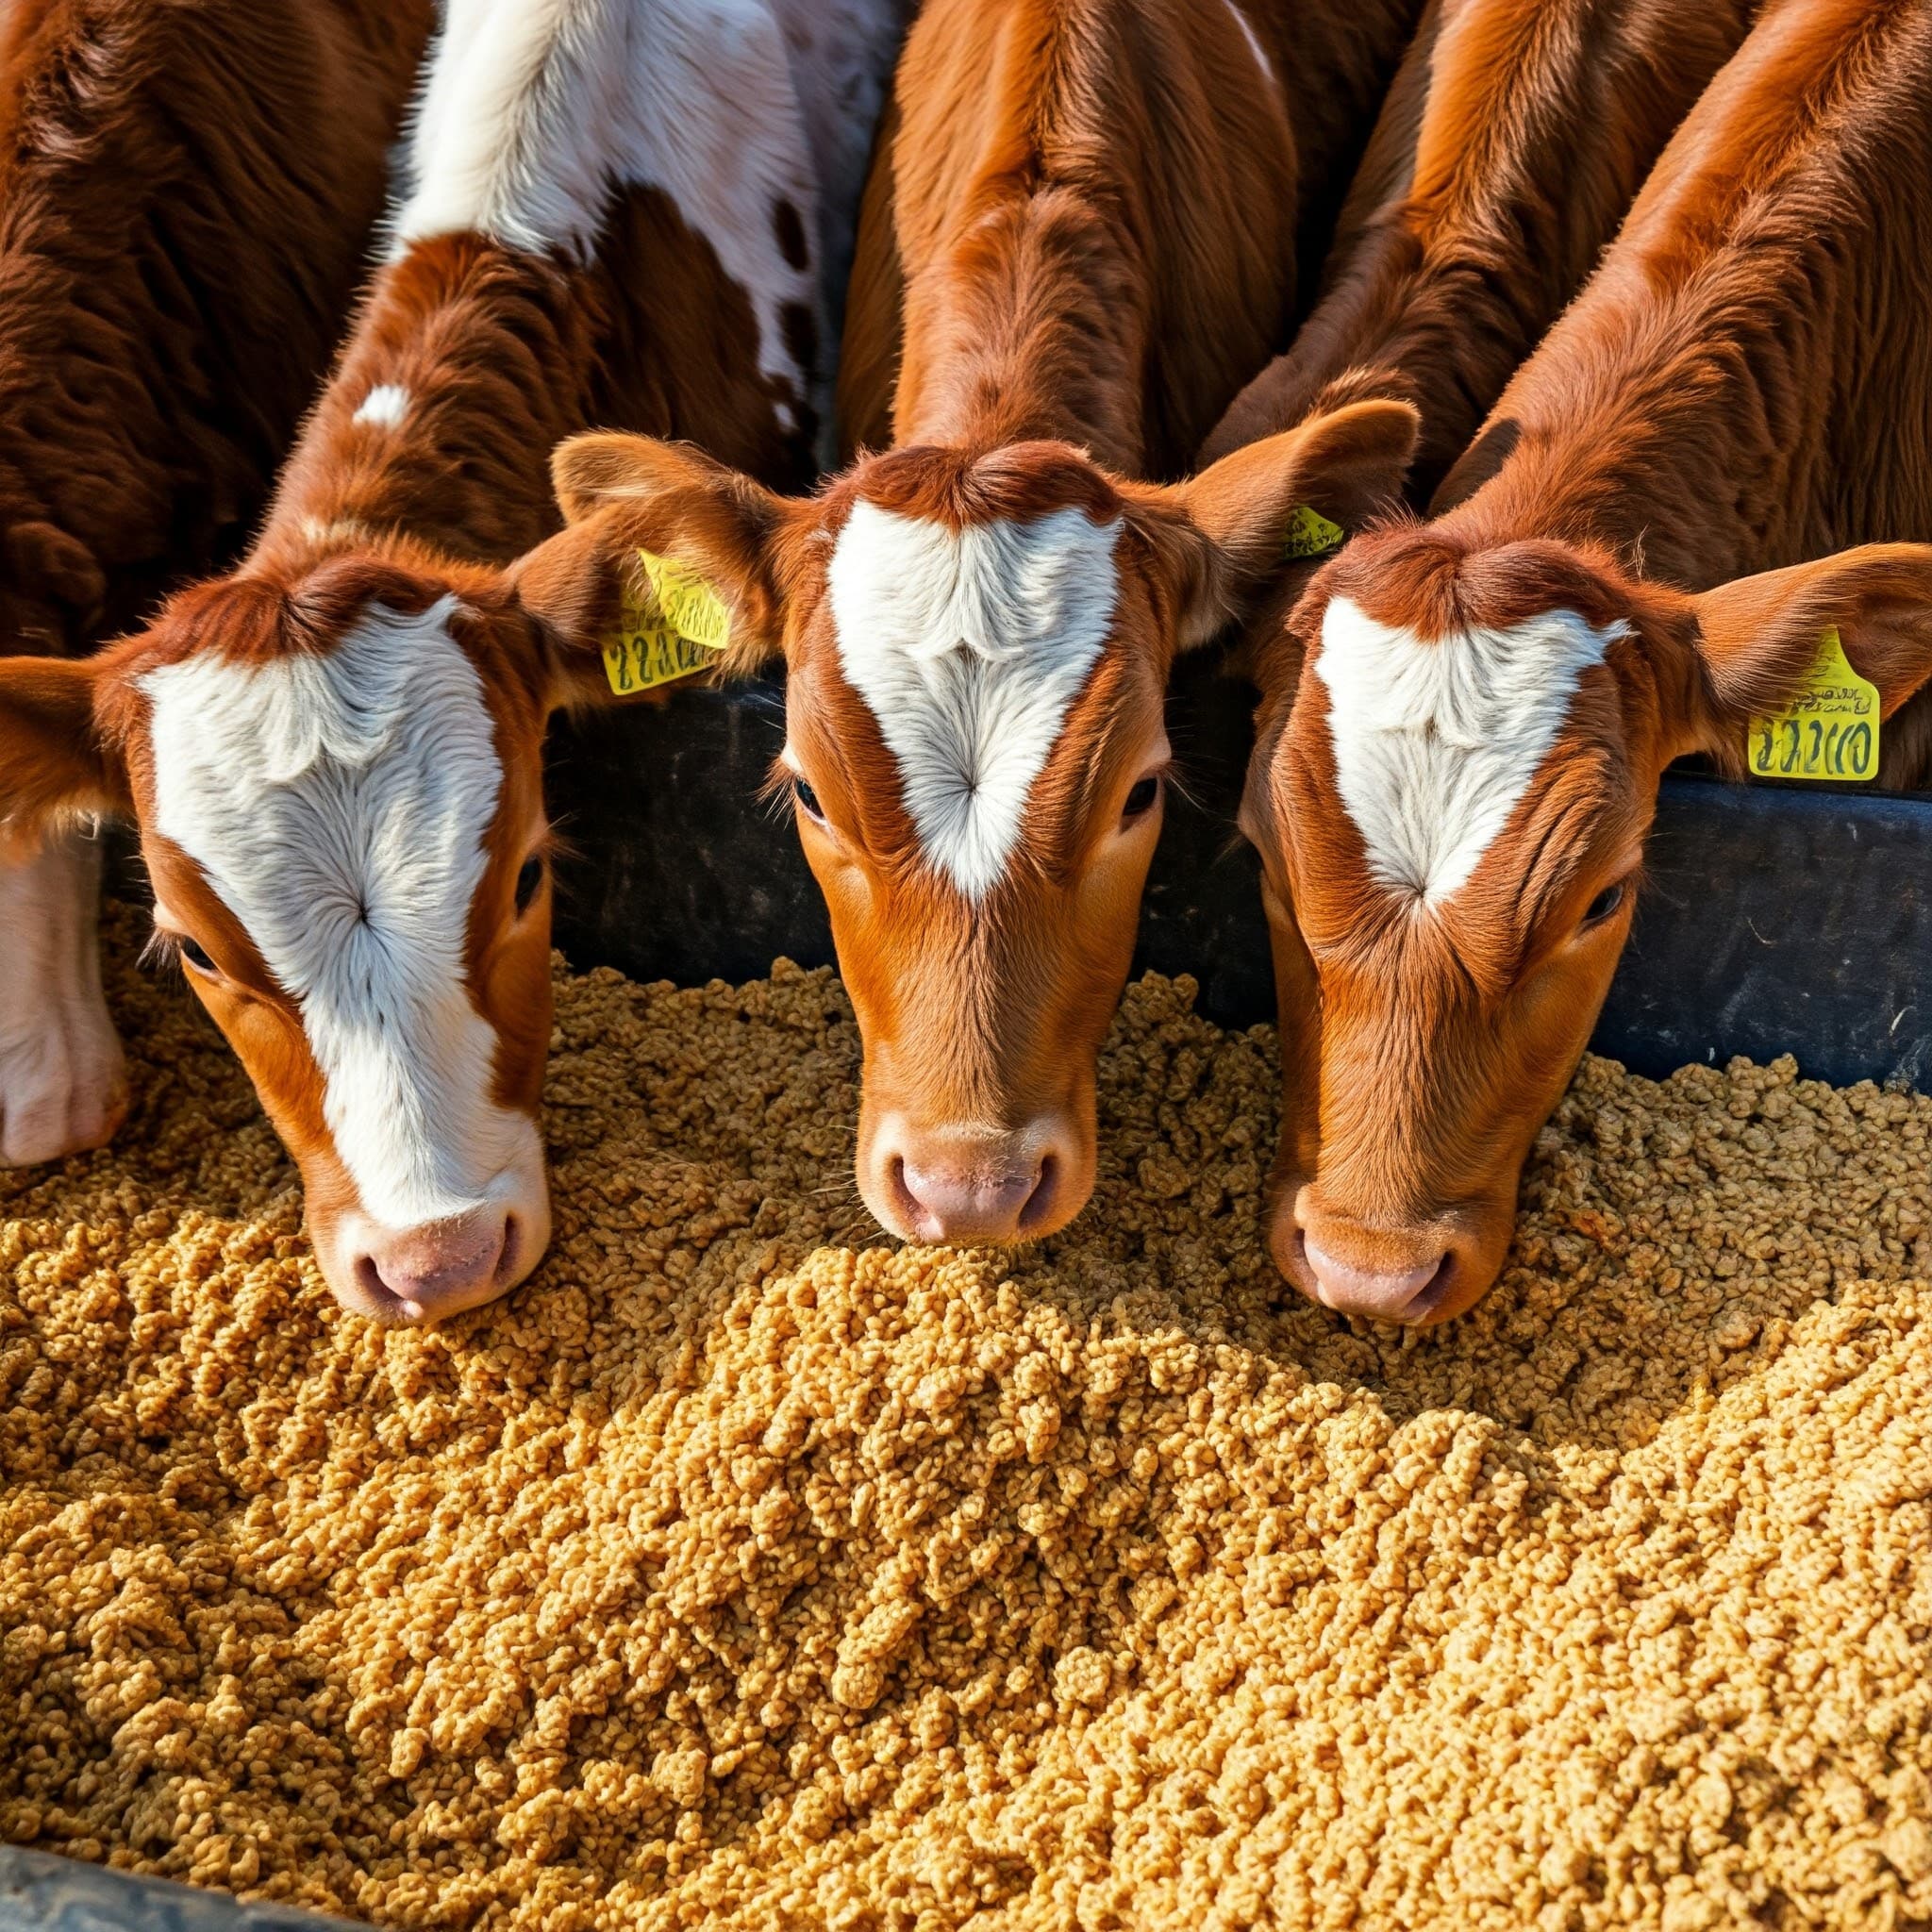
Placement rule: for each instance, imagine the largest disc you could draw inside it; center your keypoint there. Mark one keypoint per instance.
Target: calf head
(1455, 766)
(336, 774)
(977, 644)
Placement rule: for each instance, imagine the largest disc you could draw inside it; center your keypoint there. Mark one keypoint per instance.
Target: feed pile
(729, 1575)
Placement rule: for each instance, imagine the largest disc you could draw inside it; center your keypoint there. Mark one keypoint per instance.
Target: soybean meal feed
(739, 1572)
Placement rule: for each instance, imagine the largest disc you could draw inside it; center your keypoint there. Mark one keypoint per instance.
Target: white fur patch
(1436, 743)
(969, 646)
(535, 113)
(337, 804)
(324, 536)
(387, 404)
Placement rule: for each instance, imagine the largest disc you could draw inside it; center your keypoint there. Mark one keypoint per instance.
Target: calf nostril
(1040, 1197)
(907, 1204)
(384, 1300)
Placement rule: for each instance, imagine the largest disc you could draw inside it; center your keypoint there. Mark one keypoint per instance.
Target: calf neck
(1511, 144)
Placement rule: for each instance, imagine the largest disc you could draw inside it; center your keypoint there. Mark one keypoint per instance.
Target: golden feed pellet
(728, 1575)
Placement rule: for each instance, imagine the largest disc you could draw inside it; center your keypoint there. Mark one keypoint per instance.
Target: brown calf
(185, 194)
(1464, 725)
(1081, 238)
(334, 757)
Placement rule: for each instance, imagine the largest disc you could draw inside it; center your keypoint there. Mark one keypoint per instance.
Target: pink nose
(427, 1273)
(963, 1204)
(1395, 1295)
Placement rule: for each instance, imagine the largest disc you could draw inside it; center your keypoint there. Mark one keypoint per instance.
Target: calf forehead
(314, 787)
(969, 642)
(1436, 740)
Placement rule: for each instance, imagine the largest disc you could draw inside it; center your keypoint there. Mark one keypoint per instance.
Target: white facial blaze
(337, 804)
(969, 646)
(1437, 741)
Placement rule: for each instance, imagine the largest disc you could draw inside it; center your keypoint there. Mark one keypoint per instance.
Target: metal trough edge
(39, 1892)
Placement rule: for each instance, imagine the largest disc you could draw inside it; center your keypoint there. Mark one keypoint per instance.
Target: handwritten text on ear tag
(670, 634)
(1829, 730)
(690, 607)
(1310, 534)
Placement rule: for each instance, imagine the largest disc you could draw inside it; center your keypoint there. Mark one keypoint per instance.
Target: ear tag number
(668, 634)
(1310, 534)
(1829, 728)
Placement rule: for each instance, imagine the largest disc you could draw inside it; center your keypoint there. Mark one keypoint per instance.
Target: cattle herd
(931, 358)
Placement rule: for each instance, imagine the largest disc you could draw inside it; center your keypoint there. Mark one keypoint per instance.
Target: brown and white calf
(1465, 722)
(334, 757)
(1511, 144)
(185, 196)
(1089, 218)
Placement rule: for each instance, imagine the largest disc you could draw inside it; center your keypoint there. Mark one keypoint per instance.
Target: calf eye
(1140, 799)
(1604, 904)
(807, 799)
(527, 881)
(195, 955)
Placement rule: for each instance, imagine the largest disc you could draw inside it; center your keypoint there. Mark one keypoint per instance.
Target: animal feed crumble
(730, 1575)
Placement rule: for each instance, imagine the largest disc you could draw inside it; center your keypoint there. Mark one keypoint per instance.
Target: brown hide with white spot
(1742, 387)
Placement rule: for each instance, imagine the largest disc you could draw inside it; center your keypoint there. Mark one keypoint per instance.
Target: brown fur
(1742, 386)
(1096, 215)
(503, 354)
(186, 193)
(1512, 142)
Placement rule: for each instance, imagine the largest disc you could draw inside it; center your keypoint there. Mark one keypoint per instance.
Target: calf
(1091, 217)
(186, 191)
(1465, 722)
(334, 757)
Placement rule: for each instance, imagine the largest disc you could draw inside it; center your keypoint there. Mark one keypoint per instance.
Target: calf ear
(1253, 507)
(1759, 636)
(624, 494)
(55, 764)
(573, 586)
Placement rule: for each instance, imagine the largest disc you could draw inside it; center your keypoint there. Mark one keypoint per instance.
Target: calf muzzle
(971, 1187)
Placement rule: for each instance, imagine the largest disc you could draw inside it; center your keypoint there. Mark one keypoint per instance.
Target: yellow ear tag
(667, 635)
(1829, 730)
(1310, 534)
